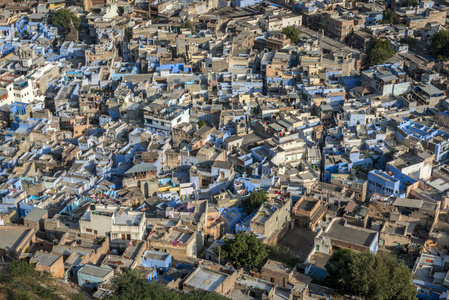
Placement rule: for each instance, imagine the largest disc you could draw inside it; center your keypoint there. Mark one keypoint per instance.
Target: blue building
(18, 108)
(232, 216)
(159, 260)
(433, 139)
(90, 276)
(174, 67)
(374, 18)
(152, 275)
(382, 183)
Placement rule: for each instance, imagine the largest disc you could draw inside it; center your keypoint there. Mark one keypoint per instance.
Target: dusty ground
(299, 241)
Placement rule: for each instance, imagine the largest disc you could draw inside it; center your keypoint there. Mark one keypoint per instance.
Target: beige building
(272, 220)
(49, 262)
(212, 279)
(180, 243)
(278, 273)
(308, 211)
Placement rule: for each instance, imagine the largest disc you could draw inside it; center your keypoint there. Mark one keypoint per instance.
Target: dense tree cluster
(379, 52)
(63, 18)
(292, 32)
(370, 276)
(409, 41)
(245, 250)
(254, 201)
(439, 45)
(389, 16)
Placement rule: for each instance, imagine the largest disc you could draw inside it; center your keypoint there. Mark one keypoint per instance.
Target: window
(88, 230)
(95, 232)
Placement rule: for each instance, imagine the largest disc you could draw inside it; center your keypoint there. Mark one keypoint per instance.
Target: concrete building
(270, 222)
(396, 234)
(212, 279)
(90, 276)
(386, 81)
(159, 260)
(338, 235)
(411, 166)
(180, 243)
(15, 240)
(35, 219)
(48, 262)
(162, 118)
(278, 273)
(118, 223)
(335, 26)
(383, 183)
(434, 140)
(308, 212)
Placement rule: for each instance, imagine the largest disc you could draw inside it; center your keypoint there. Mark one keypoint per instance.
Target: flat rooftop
(10, 237)
(277, 266)
(349, 234)
(155, 255)
(307, 204)
(206, 280)
(179, 236)
(44, 259)
(127, 219)
(95, 271)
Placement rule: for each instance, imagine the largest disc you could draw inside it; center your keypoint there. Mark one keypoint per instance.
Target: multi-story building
(434, 140)
(308, 212)
(117, 223)
(383, 183)
(386, 81)
(270, 221)
(180, 243)
(336, 26)
(162, 120)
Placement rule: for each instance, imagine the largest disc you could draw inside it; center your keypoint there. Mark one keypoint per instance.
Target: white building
(120, 224)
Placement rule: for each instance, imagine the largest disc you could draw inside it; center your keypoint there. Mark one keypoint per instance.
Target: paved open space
(299, 240)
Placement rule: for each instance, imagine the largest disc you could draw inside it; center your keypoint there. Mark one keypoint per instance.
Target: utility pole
(219, 255)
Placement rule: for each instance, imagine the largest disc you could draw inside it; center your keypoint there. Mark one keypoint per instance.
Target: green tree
(20, 268)
(120, 10)
(389, 16)
(245, 250)
(63, 17)
(379, 51)
(78, 296)
(201, 123)
(407, 3)
(187, 24)
(370, 276)
(439, 45)
(360, 169)
(409, 41)
(292, 33)
(390, 155)
(254, 201)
